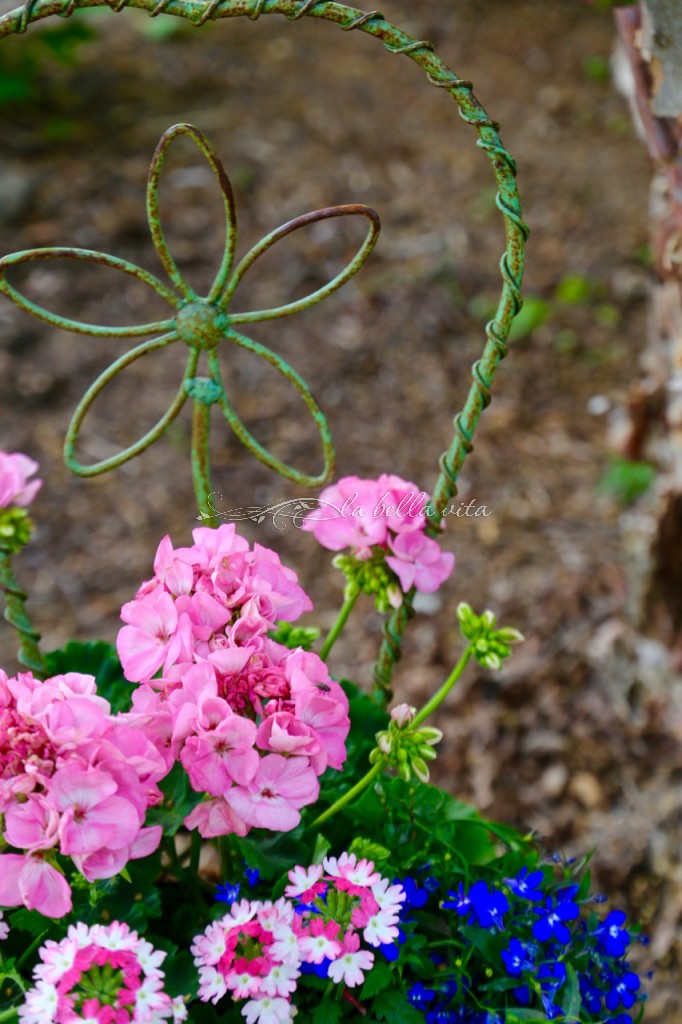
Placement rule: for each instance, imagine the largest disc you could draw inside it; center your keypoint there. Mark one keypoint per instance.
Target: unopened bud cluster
(295, 636)
(371, 576)
(16, 526)
(405, 748)
(490, 646)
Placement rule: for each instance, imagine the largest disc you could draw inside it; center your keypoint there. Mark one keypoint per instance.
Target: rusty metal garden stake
(205, 322)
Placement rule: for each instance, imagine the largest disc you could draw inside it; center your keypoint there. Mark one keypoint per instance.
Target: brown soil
(567, 741)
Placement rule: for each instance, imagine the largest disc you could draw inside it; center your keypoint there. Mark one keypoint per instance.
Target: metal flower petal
(351, 210)
(97, 387)
(89, 256)
(247, 438)
(154, 217)
(201, 322)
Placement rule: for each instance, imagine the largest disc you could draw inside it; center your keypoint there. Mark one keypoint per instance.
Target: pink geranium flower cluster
(74, 780)
(253, 723)
(16, 487)
(99, 975)
(259, 950)
(382, 520)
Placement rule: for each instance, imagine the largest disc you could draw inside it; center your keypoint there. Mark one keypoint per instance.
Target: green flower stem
(225, 854)
(341, 621)
(201, 459)
(9, 1014)
(348, 797)
(15, 613)
(195, 853)
(26, 955)
(441, 694)
(169, 847)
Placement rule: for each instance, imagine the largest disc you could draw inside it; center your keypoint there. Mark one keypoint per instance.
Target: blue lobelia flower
(441, 1015)
(591, 995)
(612, 938)
(526, 885)
(522, 994)
(448, 987)
(321, 969)
(518, 957)
(391, 950)
(488, 906)
(550, 924)
(551, 977)
(622, 991)
(415, 895)
(419, 995)
(227, 893)
(252, 875)
(458, 901)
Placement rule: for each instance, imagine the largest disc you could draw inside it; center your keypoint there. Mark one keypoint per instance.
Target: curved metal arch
(421, 52)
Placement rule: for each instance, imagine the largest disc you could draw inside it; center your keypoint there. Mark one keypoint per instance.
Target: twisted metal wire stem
(15, 613)
(511, 266)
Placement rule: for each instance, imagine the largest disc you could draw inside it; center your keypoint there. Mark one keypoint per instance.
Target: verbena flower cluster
(74, 780)
(253, 723)
(100, 975)
(526, 944)
(259, 950)
(383, 522)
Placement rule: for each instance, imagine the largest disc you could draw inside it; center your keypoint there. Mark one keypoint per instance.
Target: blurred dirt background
(573, 739)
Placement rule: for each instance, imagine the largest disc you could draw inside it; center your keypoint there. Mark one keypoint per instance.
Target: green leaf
(574, 289)
(367, 848)
(572, 1000)
(523, 1014)
(486, 942)
(178, 800)
(28, 921)
(321, 849)
(533, 314)
(181, 974)
(379, 978)
(626, 480)
(327, 1012)
(393, 1007)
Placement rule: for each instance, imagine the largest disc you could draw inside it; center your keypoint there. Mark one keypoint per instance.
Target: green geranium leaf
(178, 800)
(367, 848)
(393, 1007)
(327, 1012)
(28, 921)
(379, 978)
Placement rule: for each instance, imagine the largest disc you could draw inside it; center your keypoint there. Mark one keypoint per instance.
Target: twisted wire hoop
(441, 76)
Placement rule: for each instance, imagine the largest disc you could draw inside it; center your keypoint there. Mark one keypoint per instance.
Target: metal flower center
(201, 325)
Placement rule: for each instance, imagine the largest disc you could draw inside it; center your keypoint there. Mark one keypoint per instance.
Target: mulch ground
(570, 740)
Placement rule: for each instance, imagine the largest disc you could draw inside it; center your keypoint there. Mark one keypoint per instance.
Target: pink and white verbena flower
(100, 975)
(74, 780)
(383, 523)
(256, 953)
(252, 954)
(16, 487)
(253, 723)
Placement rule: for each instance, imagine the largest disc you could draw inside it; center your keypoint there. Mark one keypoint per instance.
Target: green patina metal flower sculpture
(201, 322)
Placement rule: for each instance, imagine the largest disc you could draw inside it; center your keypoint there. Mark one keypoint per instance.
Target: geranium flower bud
(403, 714)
